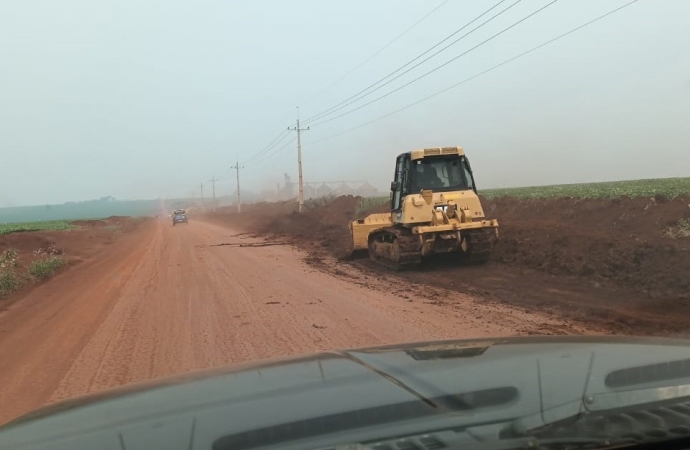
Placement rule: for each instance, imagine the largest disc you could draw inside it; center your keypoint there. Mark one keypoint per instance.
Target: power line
(359, 95)
(276, 151)
(283, 134)
(490, 69)
(379, 51)
(437, 67)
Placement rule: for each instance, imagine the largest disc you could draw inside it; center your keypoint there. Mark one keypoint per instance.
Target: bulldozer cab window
(468, 176)
(401, 170)
(440, 174)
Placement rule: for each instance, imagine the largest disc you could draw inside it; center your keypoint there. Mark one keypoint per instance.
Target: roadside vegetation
(9, 280)
(680, 230)
(44, 264)
(52, 225)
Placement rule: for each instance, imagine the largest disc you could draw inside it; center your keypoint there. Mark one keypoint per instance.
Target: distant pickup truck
(179, 216)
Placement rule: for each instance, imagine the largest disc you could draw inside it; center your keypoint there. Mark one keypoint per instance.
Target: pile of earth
(620, 241)
(612, 261)
(625, 241)
(324, 225)
(109, 221)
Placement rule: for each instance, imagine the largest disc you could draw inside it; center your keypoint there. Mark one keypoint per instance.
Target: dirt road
(164, 300)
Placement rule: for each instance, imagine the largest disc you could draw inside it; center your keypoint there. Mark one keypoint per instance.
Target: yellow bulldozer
(434, 209)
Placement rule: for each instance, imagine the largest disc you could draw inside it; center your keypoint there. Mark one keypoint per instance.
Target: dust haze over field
(147, 100)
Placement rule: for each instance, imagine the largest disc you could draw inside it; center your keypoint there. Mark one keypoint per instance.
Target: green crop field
(668, 187)
(57, 225)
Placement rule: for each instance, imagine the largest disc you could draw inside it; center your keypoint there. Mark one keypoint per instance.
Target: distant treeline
(91, 209)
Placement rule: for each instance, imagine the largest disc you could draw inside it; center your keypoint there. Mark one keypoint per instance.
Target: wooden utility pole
(237, 168)
(299, 162)
(213, 188)
(202, 194)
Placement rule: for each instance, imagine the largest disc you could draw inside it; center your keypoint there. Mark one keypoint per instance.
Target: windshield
(357, 174)
(440, 174)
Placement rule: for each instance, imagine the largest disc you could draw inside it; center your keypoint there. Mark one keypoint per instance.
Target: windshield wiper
(390, 378)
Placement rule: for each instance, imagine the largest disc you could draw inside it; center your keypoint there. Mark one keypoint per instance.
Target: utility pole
(299, 160)
(202, 194)
(213, 184)
(237, 168)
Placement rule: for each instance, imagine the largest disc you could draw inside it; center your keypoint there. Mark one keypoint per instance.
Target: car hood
(364, 395)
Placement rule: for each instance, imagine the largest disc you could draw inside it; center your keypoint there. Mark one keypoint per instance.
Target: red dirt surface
(608, 262)
(163, 300)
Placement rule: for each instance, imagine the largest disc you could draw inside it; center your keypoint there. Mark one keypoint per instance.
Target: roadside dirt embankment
(618, 262)
(34, 256)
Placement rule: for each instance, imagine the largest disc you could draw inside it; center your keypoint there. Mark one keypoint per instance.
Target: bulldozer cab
(437, 170)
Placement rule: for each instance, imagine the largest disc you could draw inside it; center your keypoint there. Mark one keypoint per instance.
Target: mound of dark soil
(622, 240)
(325, 226)
(604, 261)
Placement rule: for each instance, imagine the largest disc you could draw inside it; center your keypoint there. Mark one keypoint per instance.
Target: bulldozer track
(480, 243)
(398, 249)
(404, 250)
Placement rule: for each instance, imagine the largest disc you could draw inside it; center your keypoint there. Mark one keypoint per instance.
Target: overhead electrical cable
(276, 141)
(477, 75)
(379, 51)
(437, 67)
(364, 92)
(276, 150)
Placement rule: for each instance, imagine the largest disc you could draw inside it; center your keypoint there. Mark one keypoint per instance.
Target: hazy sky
(142, 99)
